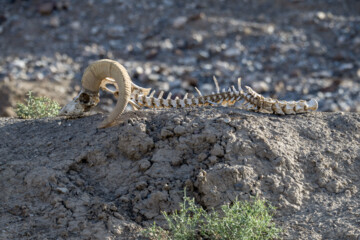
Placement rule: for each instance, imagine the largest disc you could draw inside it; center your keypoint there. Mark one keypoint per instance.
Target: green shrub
(37, 107)
(241, 220)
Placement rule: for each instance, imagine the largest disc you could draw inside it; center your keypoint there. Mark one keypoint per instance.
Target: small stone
(118, 216)
(179, 130)
(75, 25)
(62, 190)
(116, 31)
(344, 106)
(321, 15)
(203, 55)
(232, 52)
(166, 187)
(139, 70)
(177, 120)
(201, 157)
(94, 30)
(54, 22)
(346, 66)
(124, 199)
(188, 60)
(207, 67)
(356, 41)
(176, 161)
(151, 53)
(144, 165)
(217, 151)
(248, 31)
(62, 5)
(179, 22)
(212, 159)
(227, 120)
(260, 87)
(197, 16)
(46, 8)
(323, 74)
(348, 193)
(113, 207)
(198, 38)
(165, 133)
(141, 185)
(19, 63)
(39, 76)
(270, 29)
(258, 65)
(116, 44)
(167, 44)
(156, 68)
(154, 77)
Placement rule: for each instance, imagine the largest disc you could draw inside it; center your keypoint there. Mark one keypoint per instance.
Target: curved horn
(100, 70)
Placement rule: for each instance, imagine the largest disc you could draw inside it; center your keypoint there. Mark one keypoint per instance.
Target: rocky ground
(79, 182)
(66, 179)
(283, 49)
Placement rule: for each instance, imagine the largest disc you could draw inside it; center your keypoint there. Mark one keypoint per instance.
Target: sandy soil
(65, 179)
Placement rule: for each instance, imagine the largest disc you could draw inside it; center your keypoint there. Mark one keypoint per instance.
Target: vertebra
(103, 72)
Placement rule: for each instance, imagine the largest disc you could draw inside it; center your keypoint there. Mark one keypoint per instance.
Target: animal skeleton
(104, 72)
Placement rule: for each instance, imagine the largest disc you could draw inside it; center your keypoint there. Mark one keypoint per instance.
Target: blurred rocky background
(287, 49)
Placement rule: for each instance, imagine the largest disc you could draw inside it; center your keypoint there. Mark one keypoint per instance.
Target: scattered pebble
(46, 8)
(232, 52)
(116, 31)
(299, 67)
(63, 190)
(260, 87)
(179, 22)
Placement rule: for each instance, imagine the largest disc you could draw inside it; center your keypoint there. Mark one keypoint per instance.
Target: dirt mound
(65, 179)
(283, 49)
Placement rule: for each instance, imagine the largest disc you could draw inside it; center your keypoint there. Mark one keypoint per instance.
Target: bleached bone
(269, 105)
(198, 91)
(106, 71)
(216, 84)
(134, 88)
(252, 101)
(89, 95)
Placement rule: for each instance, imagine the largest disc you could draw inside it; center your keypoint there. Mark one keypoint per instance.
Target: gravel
(288, 50)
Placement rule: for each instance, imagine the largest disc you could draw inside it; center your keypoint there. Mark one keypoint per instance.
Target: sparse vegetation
(241, 220)
(37, 107)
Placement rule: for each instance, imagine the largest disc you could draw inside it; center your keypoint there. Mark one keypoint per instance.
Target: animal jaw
(107, 72)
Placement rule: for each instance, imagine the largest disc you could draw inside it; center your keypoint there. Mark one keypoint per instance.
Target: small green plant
(241, 220)
(37, 107)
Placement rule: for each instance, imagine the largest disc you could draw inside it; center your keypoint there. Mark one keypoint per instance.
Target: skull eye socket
(84, 98)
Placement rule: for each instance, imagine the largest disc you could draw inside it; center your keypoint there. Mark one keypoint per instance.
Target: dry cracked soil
(66, 179)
